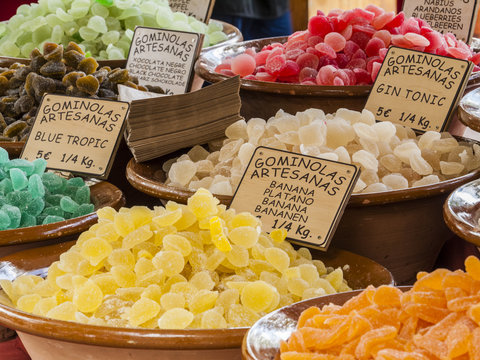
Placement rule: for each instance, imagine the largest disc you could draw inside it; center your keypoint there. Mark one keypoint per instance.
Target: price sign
(164, 58)
(453, 16)
(417, 89)
(199, 9)
(303, 194)
(79, 135)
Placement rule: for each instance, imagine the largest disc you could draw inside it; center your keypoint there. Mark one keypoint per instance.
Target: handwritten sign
(164, 58)
(417, 89)
(199, 9)
(74, 134)
(454, 16)
(303, 194)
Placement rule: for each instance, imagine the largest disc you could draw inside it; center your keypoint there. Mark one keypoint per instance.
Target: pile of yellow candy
(182, 266)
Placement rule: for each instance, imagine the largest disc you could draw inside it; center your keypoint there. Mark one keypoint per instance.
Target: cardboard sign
(199, 9)
(164, 58)
(417, 89)
(454, 16)
(303, 194)
(75, 134)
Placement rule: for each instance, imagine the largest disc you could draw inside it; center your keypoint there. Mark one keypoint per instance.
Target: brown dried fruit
(3, 84)
(55, 55)
(118, 76)
(54, 69)
(15, 128)
(88, 84)
(71, 78)
(73, 58)
(74, 46)
(88, 65)
(24, 104)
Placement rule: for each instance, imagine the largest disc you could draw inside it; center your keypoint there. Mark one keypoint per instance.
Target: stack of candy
(103, 28)
(174, 267)
(439, 318)
(30, 196)
(343, 48)
(56, 71)
(391, 156)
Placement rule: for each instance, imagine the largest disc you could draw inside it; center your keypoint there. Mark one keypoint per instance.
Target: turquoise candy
(19, 179)
(3, 174)
(4, 220)
(35, 186)
(19, 199)
(27, 220)
(21, 164)
(3, 200)
(83, 195)
(35, 206)
(39, 166)
(53, 210)
(52, 182)
(76, 181)
(14, 214)
(84, 209)
(68, 205)
(3, 156)
(70, 191)
(52, 219)
(6, 186)
(40, 219)
(53, 199)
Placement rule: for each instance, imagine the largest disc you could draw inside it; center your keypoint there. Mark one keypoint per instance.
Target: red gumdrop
(294, 54)
(399, 40)
(343, 76)
(458, 53)
(373, 46)
(251, 51)
(347, 16)
(275, 52)
(319, 25)
(250, 77)
(394, 31)
(375, 9)
(375, 70)
(275, 64)
(299, 35)
(320, 12)
(261, 57)
(367, 29)
(360, 38)
(335, 40)
(384, 35)
(382, 53)
(350, 48)
(419, 48)
(330, 61)
(326, 49)
(370, 62)
(338, 82)
(475, 58)
(351, 76)
(222, 66)
(338, 24)
(288, 79)
(422, 23)
(296, 44)
(342, 60)
(417, 39)
(291, 69)
(307, 73)
(362, 16)
(325, 75)
(260, 68)
(362, 77)
(380, 21)
(476, 68)
(356, 64)
(396, 21)
(265, 76)
(359, 54)
(227, 72)
(243, 65)
(347, 32)
(308, 60)
(314, 40)
(410, 26)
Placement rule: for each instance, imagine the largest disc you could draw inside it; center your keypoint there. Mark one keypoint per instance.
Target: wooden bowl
(53, 339)
(233, 36)
(402, 229)
(461, 212)
(262, 341)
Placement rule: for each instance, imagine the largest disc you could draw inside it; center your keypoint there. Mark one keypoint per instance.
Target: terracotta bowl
(403, 229)
(102, 194)
(262, 341)
(233, 36)
(461, 212)
(47, 339)
(469, 109)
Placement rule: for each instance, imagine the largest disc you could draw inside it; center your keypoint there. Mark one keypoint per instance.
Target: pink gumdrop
(335, 40)
(297, 44)
(291, 69)
(265, 76)
(410, 26)
(314, 40)
(275, 64)
(359, 54)
(382, 53)
(360, 38)
(276, 44)
(375, 9)
(320, 12)
(450, 39)
(384, 35)
(325, 75)
(227, 72)
(342, 60)
(308, 60)
(417, 39)
(367, 29)
(341, 74)
(275, 52)
(350, 48)
(356, 64)
(475, 58)
(362, 16)
(251, 51)
(250, 77)
(362, 77)
(307, 73)
(375, 69)
(396, 21)
(371, 61)
(351, 76)
(309, 82)
(380, 21)
(338, 82)
(223, 66)
(347, 32)
(399, 40)
(347, 16)
(319, 25)
(326, 49)
(299, 35)
(373, 46)
(335, 13)
(458, 53)
(243, 65)
(294, 54)
(261, 57)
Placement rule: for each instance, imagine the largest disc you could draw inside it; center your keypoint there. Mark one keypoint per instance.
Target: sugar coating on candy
(132, 270)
